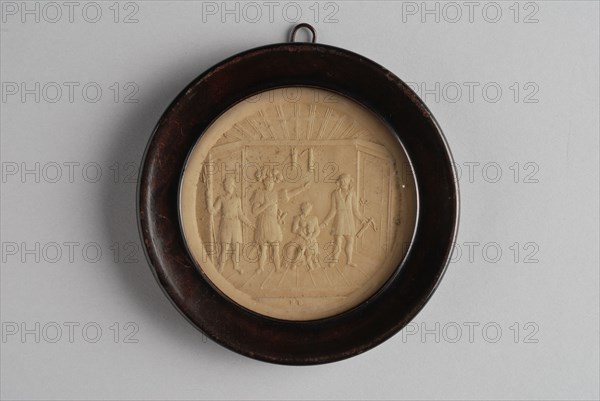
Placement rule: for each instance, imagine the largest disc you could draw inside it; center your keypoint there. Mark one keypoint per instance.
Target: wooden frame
(298, 342)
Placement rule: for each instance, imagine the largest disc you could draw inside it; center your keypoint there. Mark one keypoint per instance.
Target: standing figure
(265, 204)
(343, 212)
(306, 228)
(232, 217)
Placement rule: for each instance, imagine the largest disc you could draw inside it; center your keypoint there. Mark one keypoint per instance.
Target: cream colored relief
(298, 203)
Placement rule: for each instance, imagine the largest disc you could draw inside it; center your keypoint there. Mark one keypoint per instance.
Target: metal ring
(304, 25)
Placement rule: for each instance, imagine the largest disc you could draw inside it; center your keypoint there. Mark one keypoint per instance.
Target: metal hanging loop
(306, 26)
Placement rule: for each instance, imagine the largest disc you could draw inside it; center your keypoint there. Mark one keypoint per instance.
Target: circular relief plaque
(298, 203)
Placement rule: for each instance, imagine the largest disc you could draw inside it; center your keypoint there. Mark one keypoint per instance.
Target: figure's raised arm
(291, 193)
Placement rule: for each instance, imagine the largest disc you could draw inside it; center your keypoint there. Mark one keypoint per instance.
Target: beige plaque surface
(298, 203)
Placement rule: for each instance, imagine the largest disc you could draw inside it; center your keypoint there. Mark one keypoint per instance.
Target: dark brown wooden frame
(254, 335)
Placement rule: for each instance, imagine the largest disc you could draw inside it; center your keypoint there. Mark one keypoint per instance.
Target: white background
(533, 308)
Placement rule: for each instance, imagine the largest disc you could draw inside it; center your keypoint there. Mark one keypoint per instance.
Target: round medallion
(298, 203)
